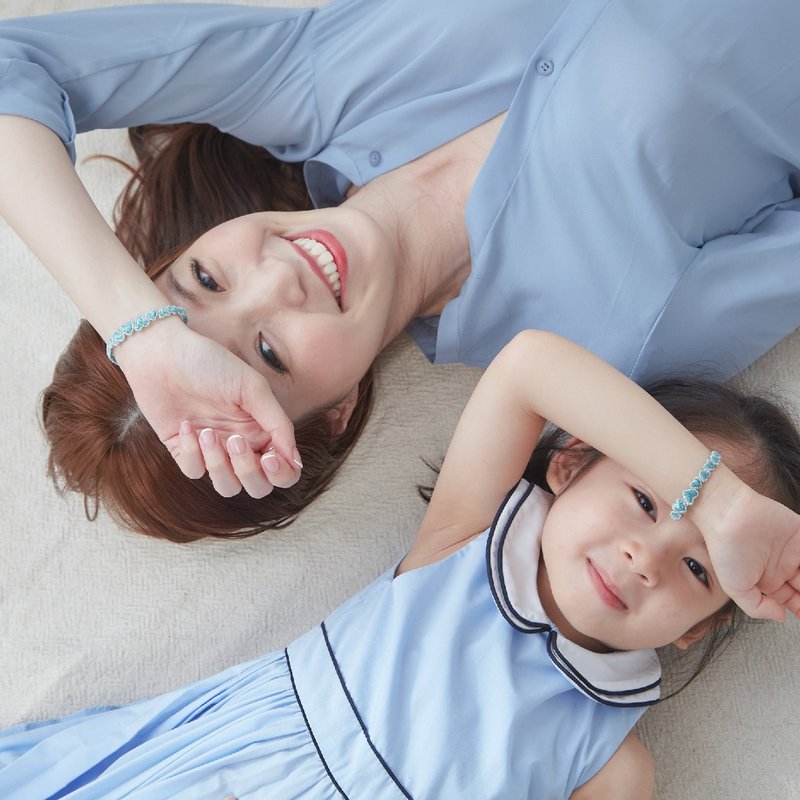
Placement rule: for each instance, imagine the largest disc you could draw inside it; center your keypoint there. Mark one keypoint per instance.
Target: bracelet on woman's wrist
(688, 496)
(139, 323)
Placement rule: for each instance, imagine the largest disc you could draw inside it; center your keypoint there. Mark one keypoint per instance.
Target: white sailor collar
(621, 678)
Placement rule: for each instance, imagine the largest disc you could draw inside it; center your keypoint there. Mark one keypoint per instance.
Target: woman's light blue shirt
(640, 197)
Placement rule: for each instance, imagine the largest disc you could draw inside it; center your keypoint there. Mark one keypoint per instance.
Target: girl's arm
(541, 376)
(174, 373)
(628, 775)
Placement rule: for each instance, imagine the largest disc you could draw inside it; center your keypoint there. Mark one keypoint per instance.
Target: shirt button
(374, 158)
(544, 66)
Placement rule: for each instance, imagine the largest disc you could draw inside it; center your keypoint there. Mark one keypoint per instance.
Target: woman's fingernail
(236, 445)
(296, 458)
(271, 462)
(186, 427)
(207, 437)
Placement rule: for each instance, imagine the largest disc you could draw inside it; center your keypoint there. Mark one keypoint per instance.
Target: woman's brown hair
(189, 179)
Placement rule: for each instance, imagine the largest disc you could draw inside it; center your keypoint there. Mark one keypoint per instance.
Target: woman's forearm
(44, 201)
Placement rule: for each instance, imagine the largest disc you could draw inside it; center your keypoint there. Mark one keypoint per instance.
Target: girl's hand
(212, 411)
(756, 555)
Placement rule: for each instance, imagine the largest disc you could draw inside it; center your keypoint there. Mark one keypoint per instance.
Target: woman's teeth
(325, 262)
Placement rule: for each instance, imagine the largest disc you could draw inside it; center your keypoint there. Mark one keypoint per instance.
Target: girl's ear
(340, 414)
(563, 466)
(697, 632)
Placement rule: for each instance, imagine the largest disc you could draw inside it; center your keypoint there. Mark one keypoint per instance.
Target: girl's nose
(646, 560)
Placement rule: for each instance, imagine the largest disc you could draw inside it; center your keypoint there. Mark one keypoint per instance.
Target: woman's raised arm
(245, 70)
(174, 373)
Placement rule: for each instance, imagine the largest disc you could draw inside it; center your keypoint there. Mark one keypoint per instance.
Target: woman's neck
(421, 206)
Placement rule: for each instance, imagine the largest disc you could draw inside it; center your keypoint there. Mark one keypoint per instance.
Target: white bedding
(90, 614)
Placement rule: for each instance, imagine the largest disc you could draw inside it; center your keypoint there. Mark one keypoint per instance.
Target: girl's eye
(269, 356)
(202, 277)
(697, 569)
(646, 503)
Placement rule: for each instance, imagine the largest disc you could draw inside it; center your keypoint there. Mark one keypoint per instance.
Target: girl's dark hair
(761, 427)
(189, 179)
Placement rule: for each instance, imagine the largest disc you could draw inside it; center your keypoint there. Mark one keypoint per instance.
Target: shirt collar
(629, 678)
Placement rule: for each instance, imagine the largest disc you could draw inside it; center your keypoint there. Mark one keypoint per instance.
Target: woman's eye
(202, 277)
(646, 503)
(269, 356)
(697, 569)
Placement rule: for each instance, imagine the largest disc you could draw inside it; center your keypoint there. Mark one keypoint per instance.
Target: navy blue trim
(507, 609)
(500, 544)
(494, 545)
(308, 727)
(358, 716)
(600, 695)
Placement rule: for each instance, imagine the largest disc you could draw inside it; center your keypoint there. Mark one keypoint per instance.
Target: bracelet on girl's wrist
(139, 323)
(688, 496)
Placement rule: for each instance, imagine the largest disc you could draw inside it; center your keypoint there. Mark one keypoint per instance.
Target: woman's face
(304, 298)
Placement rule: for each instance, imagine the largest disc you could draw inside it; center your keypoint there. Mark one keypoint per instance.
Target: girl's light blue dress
(446, 682)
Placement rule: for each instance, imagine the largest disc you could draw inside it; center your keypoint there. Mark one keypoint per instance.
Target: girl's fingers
(189, 456)
(247, 467)
(218, 464)
(279, 471)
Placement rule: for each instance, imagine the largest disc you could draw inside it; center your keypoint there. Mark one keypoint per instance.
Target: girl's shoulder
(628, 775)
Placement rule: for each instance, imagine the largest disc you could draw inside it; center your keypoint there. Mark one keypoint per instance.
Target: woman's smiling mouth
(320, 251)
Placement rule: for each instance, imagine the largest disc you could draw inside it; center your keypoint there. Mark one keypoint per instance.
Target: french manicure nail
(207, 437)
(236, 445)
(271, 462)
(296, 458)
(186, 427)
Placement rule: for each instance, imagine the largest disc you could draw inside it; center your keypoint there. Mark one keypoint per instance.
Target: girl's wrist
(719, 497)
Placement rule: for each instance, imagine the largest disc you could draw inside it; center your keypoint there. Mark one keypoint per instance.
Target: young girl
(509, 663)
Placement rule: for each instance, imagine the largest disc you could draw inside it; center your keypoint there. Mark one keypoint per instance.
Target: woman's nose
(275, 284)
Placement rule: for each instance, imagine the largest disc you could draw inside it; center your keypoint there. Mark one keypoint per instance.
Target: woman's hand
(755, 551)
(212, 411)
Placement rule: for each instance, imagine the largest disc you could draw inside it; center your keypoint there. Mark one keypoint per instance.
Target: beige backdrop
(90, 614)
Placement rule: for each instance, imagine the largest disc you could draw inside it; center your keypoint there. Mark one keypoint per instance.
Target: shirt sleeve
(738, 297)
(249, 71)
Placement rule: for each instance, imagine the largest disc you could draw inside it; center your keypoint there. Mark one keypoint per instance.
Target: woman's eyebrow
(181, 290)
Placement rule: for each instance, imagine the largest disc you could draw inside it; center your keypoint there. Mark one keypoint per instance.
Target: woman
(612, 171)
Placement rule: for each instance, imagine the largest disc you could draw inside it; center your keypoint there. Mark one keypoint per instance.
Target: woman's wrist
(136, 352)
(139, 324)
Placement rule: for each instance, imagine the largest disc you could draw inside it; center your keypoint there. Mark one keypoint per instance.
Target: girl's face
(619, 573)
(302, 297)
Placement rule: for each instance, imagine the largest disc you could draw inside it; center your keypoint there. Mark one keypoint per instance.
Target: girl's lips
(608, 592)
(336, 250)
